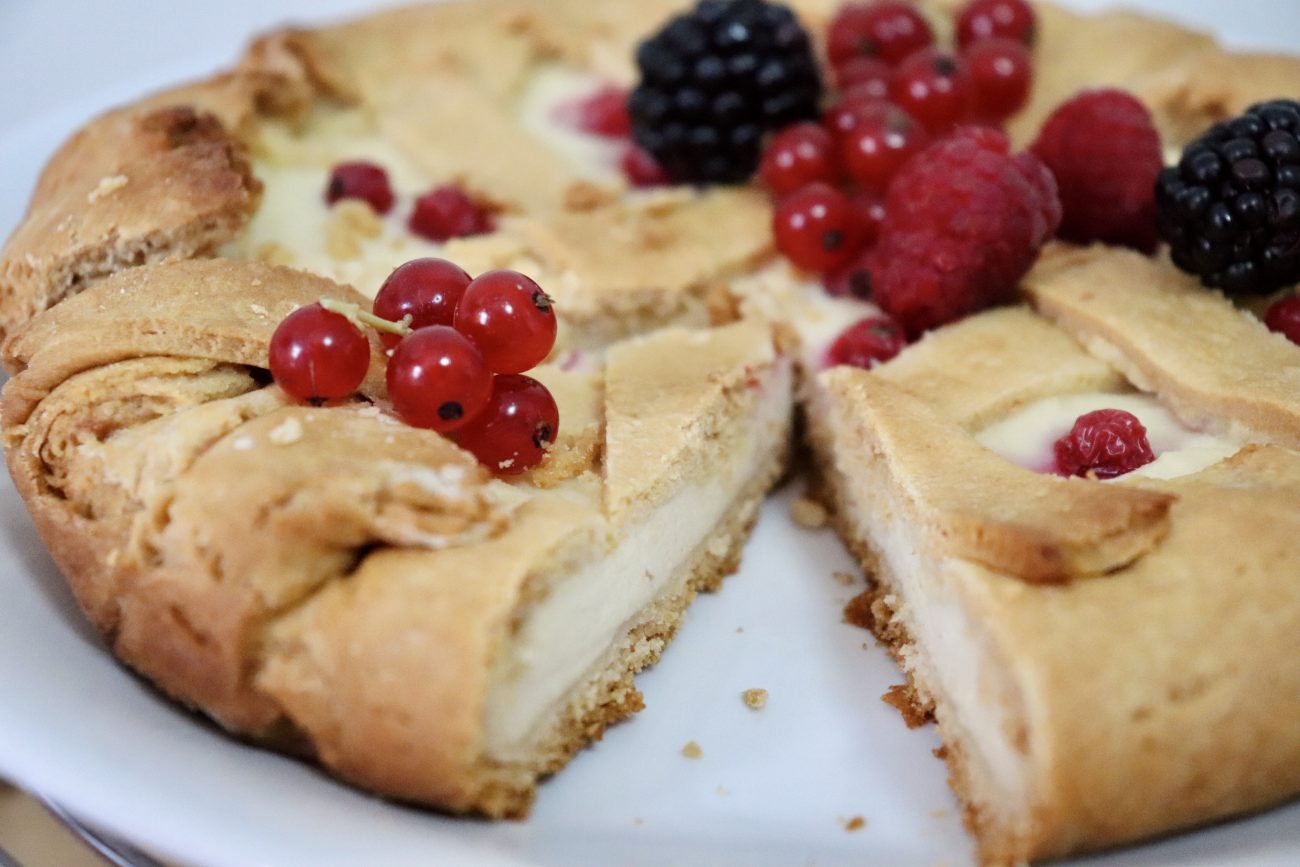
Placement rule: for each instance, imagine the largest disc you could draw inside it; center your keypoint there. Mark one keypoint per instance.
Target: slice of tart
(1093, 651)
(333, 581)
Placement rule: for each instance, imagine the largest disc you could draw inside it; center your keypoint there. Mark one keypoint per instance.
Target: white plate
(773, 787)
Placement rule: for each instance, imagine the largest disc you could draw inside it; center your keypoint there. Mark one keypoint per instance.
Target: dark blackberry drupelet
(1230, 209)
(714, 81)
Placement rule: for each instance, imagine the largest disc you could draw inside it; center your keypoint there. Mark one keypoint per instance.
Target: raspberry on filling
(1103, 444)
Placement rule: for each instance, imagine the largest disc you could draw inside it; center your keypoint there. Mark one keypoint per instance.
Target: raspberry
(964, 221)
(1104, 443)
(1106, 155)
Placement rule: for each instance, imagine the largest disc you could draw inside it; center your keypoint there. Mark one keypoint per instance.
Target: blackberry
(714, 81)
(1230, 209)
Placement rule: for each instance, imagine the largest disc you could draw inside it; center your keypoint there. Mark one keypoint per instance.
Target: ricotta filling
(1026, 436)
(588, 614)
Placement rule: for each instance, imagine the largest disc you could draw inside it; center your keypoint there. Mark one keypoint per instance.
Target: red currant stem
(359, 316)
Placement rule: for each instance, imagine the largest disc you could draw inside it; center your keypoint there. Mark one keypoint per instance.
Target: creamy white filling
(587, 613)
(1026, 436)
(551, 88)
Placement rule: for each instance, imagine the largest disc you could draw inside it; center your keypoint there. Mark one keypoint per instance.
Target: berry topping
(984, 19)
(509, 318)
(603, 113)
(318, 355)
(797, 156)
(715, 80)
(360, 180)
(513, 433)
(1103, 444)
(1105, 153)
(427, 290)
(934, 88)
(1230, 210)
(866, 72)
(886, 29)
(817, 228)
(883, 137)
(1284, 318)
(1001, 72)
(446, 212)
(437, 379)
(843, 115)
(963, 223)
(870, 209)
(867, 342)
(641, 170)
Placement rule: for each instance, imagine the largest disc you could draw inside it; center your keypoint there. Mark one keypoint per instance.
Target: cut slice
(331, 580)
(1107, 706)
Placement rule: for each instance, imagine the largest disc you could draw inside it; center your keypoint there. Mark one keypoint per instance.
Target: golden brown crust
(1218, 368)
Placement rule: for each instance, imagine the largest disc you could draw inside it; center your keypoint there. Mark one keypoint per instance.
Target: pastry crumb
(259, 310)
(287, 432)
(113, 556)
(854, 823)
(692, 750)
(106, 187)
(808, 513)
(841, 577)
(242, 444)
(351, 222)
(276, 254)
(755, 698)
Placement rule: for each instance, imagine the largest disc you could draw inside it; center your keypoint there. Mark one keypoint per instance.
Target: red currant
(867, 72)
(1284, 318)
(437, 379)
(867, 342)
(426, 289)
(447, 212)
(602, 113)
(935, 89)
(318, 355)
(851, 281)
(843, 115)
(513, 433)
(870, 209)
(509, 318)
(983, 19)
(797, 156)
(817, 228)
(887, 29)
(883, 138)
(641, 169)
(360, 180)
(1000, 71)
(1104, 443)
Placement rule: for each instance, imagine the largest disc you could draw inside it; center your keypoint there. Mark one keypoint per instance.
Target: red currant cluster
(604, 113)
(443, 213)
(897, 94)
(458, 351)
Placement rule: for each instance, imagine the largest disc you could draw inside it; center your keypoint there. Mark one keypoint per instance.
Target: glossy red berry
(817, 228)
(1284, 318)
(870, 210)
(513, 433)
(427, 290)
(797, 156)
(882, 139)
(360, 180)
(509, 318)
(641, 170)
(984, 19)
(1001, 72)
(845, 113)
(867, 342)
(934, 88)
(602, 113)
(1104, 443)
(318, 355)
(447, 212)
(869, 73)
(437, 379)
(886, 29)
